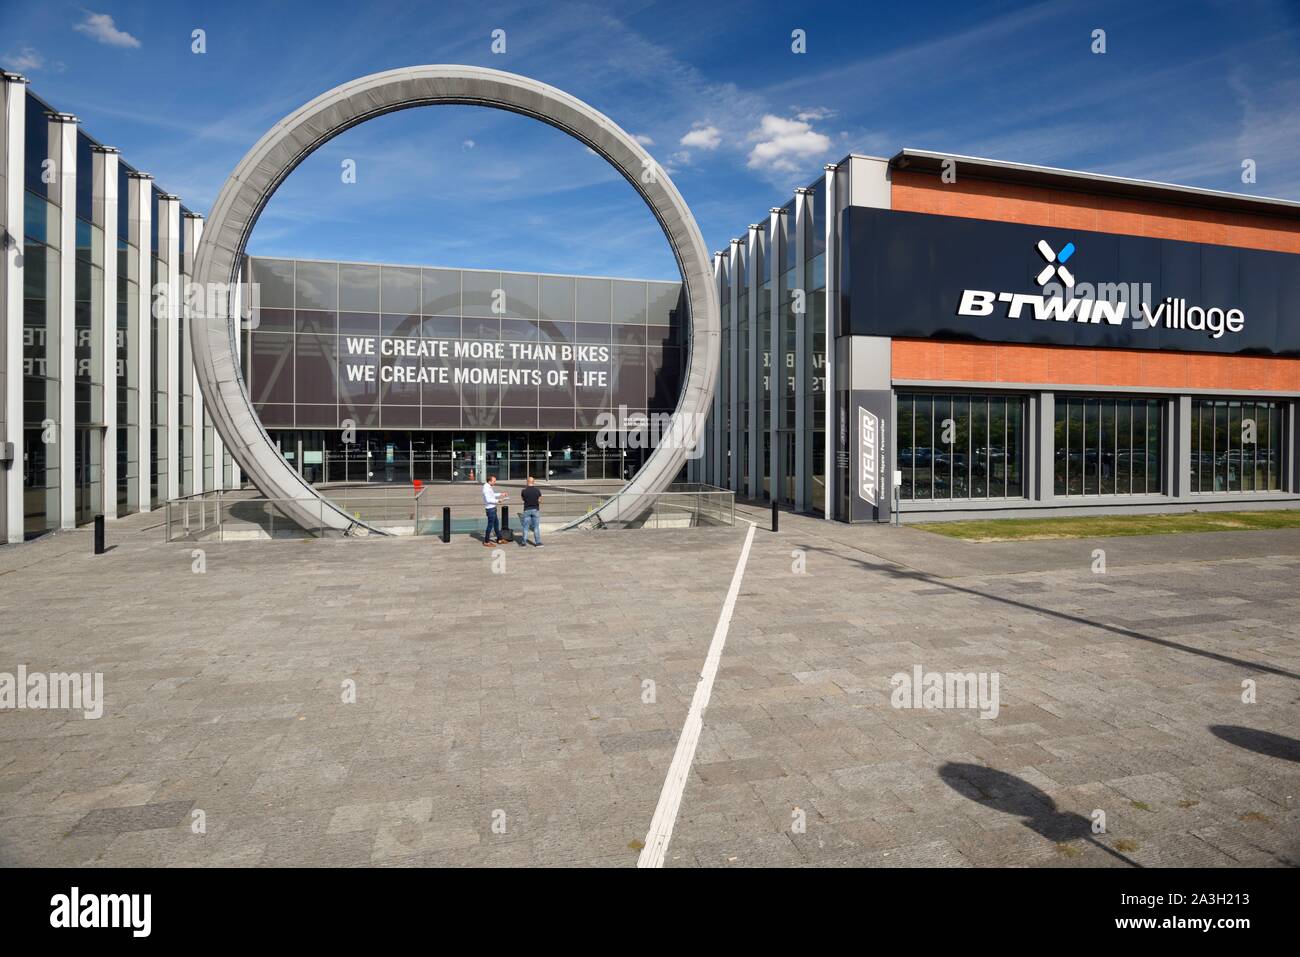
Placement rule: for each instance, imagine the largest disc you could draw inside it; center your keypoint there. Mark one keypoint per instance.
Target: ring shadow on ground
(1261, 742)
(911, 574)
(1012, 795)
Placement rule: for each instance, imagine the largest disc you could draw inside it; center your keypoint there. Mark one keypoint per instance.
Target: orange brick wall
(1036, 206)
(1135, 368)
(1065, 365)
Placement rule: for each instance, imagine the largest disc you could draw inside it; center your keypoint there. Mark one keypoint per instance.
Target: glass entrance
(88, 469)
(787, 440)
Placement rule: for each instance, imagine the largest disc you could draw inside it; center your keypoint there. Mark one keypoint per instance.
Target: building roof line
(1050, 176)
(515, 272)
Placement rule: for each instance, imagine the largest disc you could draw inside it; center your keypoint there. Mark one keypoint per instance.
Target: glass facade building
(930, 422)
(370, 372)
(84, 398)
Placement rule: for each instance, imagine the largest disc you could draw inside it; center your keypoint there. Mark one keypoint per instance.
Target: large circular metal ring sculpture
(294, 138)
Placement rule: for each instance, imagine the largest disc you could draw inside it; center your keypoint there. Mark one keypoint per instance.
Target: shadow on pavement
(1012, 795)
(897, 571)
(1261, 742)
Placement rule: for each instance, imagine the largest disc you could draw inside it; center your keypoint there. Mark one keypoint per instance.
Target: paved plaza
(409, 702)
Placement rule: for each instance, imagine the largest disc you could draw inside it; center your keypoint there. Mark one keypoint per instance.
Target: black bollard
(99, 534)
(505, 523)
(775, 520)
(446, 523)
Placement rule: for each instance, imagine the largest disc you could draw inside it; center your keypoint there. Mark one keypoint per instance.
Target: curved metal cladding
(290, 141)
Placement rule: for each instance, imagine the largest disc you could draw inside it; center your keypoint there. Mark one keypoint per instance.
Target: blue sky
(1184, 93)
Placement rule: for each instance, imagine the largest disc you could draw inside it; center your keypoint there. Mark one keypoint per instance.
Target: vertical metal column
(1291, 436)
(732, 318)
(802, 196)
(63, 156)
(193, 232)
(237, 313)
(830, 423)
(106, 172)
(141, 227)
(169, 244)
(776, 369)
(753, 374)
(13, 138)
(1180, 410)
(716, 444)
(1040, 432)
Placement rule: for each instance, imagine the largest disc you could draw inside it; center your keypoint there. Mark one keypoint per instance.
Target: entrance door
(496, 451)
(88, 472)
(787, 440)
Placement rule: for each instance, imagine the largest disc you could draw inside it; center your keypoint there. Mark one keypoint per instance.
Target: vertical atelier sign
(869, 459)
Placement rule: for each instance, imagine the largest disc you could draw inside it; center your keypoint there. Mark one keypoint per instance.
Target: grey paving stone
(223, 693)
(138, 817)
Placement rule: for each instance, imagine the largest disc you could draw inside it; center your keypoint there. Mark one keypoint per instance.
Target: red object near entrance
(418, 485)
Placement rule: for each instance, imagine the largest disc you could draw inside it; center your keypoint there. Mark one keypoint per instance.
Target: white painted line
(670, 798)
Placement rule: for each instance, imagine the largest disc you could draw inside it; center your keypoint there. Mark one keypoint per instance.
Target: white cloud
(25, 61)
(816, 113)
(786, 145)
(468, 144)
(643, 139)
(100, 27)
(703, 137)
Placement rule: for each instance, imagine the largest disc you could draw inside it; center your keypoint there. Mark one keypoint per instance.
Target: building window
(1236, 446)
(960, 446)
(1108, 446)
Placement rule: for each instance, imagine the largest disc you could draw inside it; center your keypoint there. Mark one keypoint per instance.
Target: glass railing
(244, 515)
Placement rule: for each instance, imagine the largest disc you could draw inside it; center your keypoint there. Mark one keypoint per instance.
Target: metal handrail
(696, 504)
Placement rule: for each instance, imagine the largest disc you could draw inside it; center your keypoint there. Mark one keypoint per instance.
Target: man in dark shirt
(532, 517)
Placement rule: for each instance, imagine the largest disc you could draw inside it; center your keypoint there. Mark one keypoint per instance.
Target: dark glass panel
(317, 285)
(629, 386)
(479, 291)
(400, 327)
(594, 300)
(557, 332)
(399, 416)
(520, 295)
(440, 294)
(518, 418)
(480, 328)
(558, 299)
(440, 327)
(440, 417)
(519, 330)
(359, 287)
(594, 332)
(629, 302)
(905, 441)
(272, 368)
(632, 336)
(400, 290)
(358, 324)
(317, 369)
(315, 322)
(274, 279)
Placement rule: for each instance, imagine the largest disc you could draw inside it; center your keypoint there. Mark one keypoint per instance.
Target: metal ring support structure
(249, 188)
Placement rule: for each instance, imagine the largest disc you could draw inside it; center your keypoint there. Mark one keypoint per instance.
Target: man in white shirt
(491, 498)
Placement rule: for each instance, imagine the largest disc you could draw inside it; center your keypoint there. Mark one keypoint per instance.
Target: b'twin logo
(1108, 302)
(1061, 308)
(1055, 263)
(76, 909)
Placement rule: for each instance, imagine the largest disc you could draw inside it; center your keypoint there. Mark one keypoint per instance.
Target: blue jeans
(493, 531)
(532, 518)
